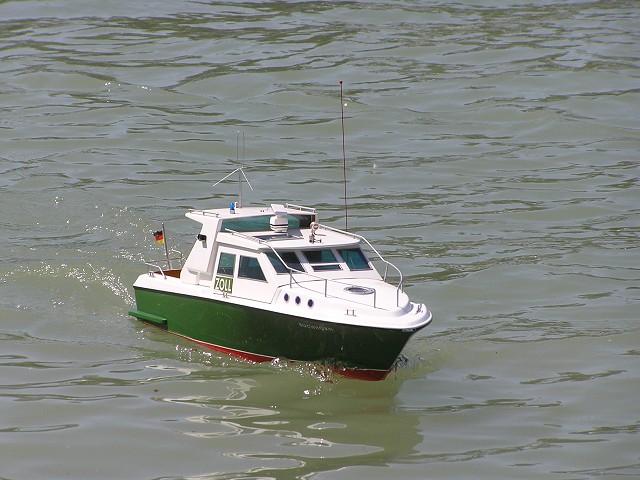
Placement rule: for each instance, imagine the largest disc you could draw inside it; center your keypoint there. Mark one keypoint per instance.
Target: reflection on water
(295, 395)
(275, 420)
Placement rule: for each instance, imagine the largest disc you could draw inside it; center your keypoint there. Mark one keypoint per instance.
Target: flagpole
(166, 247)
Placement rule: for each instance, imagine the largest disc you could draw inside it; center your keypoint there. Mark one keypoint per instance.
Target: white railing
(379, 256)
(326, 281)
(360, 237)
(204, 213)
(301, 208)
(166, 264)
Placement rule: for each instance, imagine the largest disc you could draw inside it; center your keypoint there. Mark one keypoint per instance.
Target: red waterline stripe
(354, 373)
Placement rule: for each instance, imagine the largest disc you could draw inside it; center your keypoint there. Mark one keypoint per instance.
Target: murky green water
(492, 151)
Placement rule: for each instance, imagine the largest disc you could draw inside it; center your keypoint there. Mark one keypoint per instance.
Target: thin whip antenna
(240, 165)
(344, 163)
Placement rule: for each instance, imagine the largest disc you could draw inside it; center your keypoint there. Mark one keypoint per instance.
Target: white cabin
(257, 252)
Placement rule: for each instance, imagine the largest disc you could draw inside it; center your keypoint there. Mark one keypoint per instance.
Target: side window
(322, 260)
(290, 258)
(226, 264)
(277, 264)
(320, 256)
(250, 268)
(354, 258)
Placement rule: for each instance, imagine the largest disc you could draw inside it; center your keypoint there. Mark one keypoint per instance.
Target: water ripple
(491, 153)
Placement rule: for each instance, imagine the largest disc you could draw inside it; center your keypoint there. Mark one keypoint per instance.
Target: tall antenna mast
(344, 163)
(240, 166)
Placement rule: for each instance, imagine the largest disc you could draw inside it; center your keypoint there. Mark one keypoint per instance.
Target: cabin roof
(293, 240)
(246, 212)
(249, 227)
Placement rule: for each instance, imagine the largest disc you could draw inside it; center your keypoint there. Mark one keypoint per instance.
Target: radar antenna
(239, 171)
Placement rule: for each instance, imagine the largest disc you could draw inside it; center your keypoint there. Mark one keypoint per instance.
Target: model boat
(273, 282)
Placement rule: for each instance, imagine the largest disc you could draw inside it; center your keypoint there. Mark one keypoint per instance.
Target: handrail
(179, 257)
(326, 280)
(384, 260)
(155, 267)
(302, 208)
(204, 213)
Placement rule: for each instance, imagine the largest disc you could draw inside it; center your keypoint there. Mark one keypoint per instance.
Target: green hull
(261, 335)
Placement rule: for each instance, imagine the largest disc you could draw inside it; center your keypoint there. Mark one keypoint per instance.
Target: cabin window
(226, 264)
(290, 258)
(354, 258)
(322, 260)
(277, 264)
(250, 268)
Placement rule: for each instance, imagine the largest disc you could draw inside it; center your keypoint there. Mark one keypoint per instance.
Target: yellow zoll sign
(224, 284)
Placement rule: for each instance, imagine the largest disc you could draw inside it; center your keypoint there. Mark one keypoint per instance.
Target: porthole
(286, 297)
(310, 303)
(298, 300)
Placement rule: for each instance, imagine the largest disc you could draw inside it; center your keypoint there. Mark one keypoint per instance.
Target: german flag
(159, 237)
